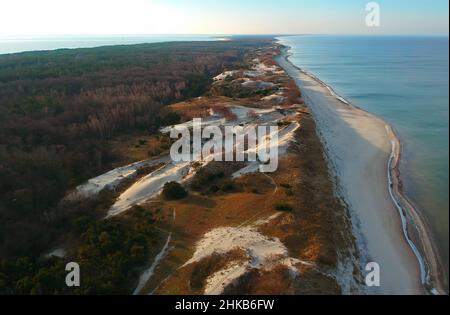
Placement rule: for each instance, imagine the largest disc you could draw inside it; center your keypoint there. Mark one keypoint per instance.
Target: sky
(100, 17)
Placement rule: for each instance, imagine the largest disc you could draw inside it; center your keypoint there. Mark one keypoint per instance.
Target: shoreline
(414, 227)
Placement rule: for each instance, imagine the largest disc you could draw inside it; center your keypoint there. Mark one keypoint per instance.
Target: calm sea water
(405, 80)
(20, 44)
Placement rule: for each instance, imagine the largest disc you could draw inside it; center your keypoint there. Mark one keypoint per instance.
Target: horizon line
(220, 34)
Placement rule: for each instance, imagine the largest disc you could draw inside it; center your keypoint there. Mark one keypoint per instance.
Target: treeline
(58, 110)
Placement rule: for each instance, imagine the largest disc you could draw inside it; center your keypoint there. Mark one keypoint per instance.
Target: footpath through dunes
(359, 147)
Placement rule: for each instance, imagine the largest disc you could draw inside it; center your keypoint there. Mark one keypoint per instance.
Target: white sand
(261, 252)
(111, 179)
(208, 121)
(277, 98)
(359, 148)
(216, 282)
(149, 186)
(285, 138)
(224, 75)
(58, 252)
(258, 85)
(262, 69)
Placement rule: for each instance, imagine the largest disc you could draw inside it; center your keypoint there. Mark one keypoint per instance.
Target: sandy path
(149, 186)
(148, 273)
(358, 146)
(113, 178)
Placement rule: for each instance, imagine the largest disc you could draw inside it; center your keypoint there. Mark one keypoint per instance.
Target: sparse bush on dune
(169, 119)
(145, 170)
(214, 188)
(285, 207)
(174, 191)
(283, 123)
(211, 182)
(227, 186)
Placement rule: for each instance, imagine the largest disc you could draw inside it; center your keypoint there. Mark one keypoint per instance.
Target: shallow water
(405, 81)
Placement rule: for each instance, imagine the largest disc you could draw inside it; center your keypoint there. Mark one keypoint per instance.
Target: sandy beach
(361, 149)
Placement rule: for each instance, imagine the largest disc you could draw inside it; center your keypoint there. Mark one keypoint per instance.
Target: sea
(404, 80)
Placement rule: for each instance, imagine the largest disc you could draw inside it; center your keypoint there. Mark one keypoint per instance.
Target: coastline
(415, 227)
(416, 237)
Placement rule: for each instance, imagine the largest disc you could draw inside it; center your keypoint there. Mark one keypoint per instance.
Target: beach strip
(363, 153)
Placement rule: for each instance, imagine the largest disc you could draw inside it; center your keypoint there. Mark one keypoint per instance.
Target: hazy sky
(52, 17)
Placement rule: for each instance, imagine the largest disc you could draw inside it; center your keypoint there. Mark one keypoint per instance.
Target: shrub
(289, 192)
(227, 186)
(214, 189)
(144, 170)
(283, 123)
(169, 119)
(174, 191)
(204, 178)
(285, 207)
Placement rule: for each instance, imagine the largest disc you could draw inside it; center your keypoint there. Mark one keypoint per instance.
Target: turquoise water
(20, 44)
(405, 81)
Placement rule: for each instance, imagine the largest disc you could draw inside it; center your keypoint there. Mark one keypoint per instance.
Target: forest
(58, 109)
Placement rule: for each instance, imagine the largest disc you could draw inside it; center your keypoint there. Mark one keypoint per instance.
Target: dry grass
(277, 281)
(197, 215)
(318, 214)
